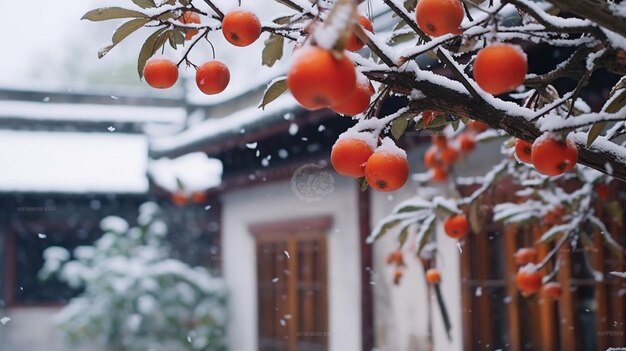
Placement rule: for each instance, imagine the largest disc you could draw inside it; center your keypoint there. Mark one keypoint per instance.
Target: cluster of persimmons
(240, 28)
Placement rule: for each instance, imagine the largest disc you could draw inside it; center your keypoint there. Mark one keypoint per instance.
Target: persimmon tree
(478, 88)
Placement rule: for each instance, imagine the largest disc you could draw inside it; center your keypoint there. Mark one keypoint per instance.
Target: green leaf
(275, 89)
(107, 13)
(150, 46)
(273, 50)
(289, 4)
(144, 4)
(618, 101)
(398, 126)
(401, 37)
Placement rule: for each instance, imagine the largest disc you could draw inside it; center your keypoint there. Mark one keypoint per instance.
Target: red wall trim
(366, 250)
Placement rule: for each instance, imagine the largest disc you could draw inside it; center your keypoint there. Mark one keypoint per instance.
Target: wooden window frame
(292, 231)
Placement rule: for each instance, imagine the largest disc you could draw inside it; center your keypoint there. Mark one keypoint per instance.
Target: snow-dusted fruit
(552, 157)
(528, 280)
(212, 77)
(354, 43)
(179, 199)
(190, 17)
(439, 17)
(318, 79)
(349, 156)
(433, 276)
(241, 28)
(526, 255)
(552, 290)
(477, 126)
(500, 68)
(440, 174)
(358, 101)
(467, 142)
(456, 226)
(160, 73)
(449, 155)
(432, 158)
(523, 150)
(395, 258)
(386, 170)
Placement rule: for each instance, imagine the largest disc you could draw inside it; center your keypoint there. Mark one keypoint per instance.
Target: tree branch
(514, 120)
(597, 11)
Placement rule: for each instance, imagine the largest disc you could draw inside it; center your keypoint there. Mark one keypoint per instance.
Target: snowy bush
(135, 298)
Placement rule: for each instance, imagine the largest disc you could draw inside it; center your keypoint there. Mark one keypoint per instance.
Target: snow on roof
(196, 171)
(90, 112)
(216, 126)
(73, 162)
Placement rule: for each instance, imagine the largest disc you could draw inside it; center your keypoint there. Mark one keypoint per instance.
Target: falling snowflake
(111, 129)
(5, 320)
(41, 236)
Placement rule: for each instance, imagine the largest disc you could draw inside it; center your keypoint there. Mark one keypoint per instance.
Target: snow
(215, 126)
(196, 171)
(90, 112)
(366, 137)
(5, 320)
(618, 41)
(114, 224)
(341, 17)
(73, 162)
(388, 146)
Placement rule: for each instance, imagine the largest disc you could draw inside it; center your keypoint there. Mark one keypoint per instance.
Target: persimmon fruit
(439, 17)
(354, 43)
(160, 73)
(433, 276)
(241, 27)
(386, 171)
(528, 280)
(318, 79)
(456, 226)
(439, 174)
(358, 101)
(467, 142)
(349, 156)
(553, 157)
(552, 290)
(212, 77)
(477, 126)
(190, 17)
(526, 255)
(523, 150)
(500, 68)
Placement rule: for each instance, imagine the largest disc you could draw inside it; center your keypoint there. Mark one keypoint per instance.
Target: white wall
(275, 202)
(402, 313)
(32, 329)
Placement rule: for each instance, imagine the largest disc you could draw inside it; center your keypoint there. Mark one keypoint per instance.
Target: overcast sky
(53, 47)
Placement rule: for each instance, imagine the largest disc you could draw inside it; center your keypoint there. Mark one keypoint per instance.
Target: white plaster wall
(275, 202)
(32, 329)
(401, 313)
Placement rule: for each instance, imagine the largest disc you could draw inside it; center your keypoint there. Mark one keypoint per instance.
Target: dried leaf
(144, 4)
(275, 89)
(107, 13)
(474, 217)
(273, 50)
(150, 46)
(398, 127)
